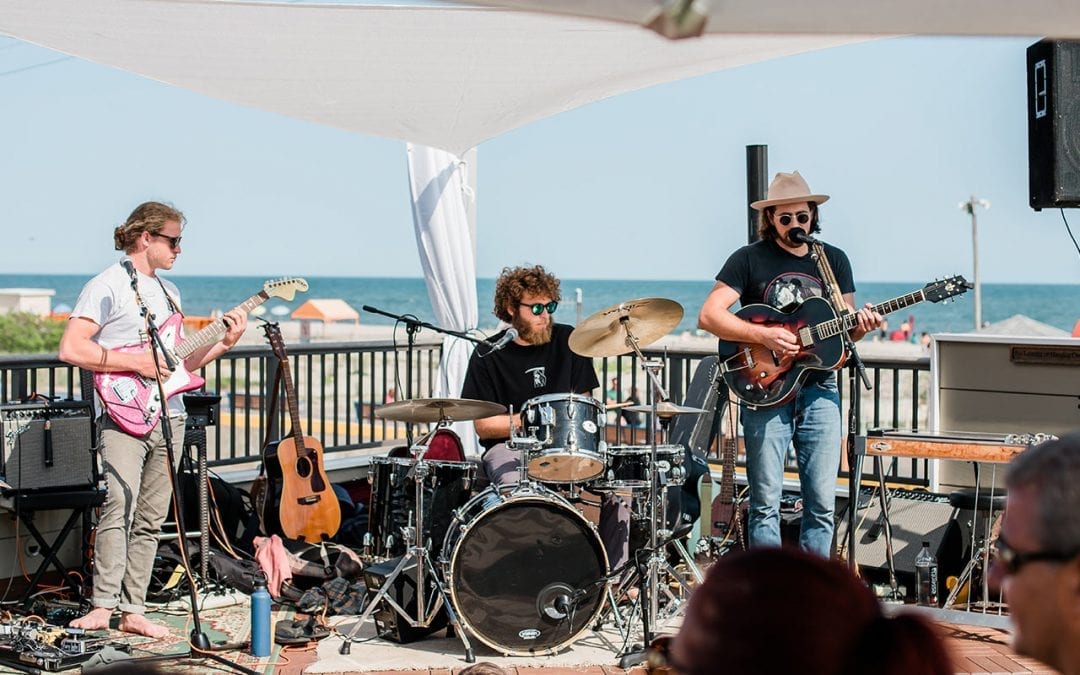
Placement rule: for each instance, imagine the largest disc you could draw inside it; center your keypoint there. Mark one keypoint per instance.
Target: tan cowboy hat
(788, 188)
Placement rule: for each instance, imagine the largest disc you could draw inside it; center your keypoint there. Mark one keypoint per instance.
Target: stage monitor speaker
(389, 624)
(916, 517)
(1053, 74)
(48, 445)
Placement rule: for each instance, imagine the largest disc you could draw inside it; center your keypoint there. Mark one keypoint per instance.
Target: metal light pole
(969, 206)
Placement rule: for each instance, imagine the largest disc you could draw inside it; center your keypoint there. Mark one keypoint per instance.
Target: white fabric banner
(441, 200)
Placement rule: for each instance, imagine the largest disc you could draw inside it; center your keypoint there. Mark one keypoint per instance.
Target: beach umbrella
(61, 308)
(280, 310)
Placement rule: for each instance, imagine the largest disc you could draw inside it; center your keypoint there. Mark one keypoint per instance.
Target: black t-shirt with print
(517, 373)
(766, 273)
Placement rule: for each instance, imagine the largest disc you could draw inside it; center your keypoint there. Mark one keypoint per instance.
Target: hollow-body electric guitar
(761, 377)
(133, 401)
(300, 503)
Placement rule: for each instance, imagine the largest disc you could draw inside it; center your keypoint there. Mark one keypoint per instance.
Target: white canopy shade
(683, 18)
(447, 77)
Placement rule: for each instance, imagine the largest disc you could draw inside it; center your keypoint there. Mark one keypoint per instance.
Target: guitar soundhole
(303, 467)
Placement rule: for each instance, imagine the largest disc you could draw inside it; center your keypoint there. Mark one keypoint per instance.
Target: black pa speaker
(915, 517)
(1053, 74)
(390, 625)
(48, 445)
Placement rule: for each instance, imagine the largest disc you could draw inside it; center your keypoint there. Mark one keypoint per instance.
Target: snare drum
(570, 429)
(525, 570)
(628, 467)
(447, 486)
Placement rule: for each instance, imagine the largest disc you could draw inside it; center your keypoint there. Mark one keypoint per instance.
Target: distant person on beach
(765, 272)
(924, 340)
(391, 395)
(830, 621)
(882, 332)
(1037, 553)
(537, 362)
(109, 314)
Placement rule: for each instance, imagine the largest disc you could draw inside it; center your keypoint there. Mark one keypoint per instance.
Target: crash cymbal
(667, 409)
(604, 334)
(421, 410)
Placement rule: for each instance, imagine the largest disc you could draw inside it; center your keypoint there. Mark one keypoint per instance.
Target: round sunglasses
(802, 217)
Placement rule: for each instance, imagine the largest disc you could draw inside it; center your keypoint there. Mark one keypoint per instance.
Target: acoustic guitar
(761, 377)
(300, 502)
(133, 401)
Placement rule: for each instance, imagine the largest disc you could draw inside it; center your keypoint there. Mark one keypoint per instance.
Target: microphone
(506, 339)
(128, 265)
(799, 236)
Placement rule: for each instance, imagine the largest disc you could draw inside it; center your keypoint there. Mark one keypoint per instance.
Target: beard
(530, 335)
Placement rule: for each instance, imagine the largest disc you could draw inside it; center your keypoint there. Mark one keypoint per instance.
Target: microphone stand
(198, 640)
(412, 327)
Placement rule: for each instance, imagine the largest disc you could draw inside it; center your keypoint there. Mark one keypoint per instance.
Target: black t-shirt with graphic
(517, 373)
(766, 273)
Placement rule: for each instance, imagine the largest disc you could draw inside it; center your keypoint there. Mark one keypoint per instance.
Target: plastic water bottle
(260, 619)
(926, 577)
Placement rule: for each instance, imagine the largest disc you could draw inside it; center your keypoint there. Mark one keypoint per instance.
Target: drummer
(536, 362)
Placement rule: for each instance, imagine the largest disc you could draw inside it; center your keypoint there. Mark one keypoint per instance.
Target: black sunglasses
(539, 307)
(173, 241)
(1012, 560)
(802, 217)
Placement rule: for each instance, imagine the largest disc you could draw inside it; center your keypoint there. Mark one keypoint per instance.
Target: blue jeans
(811, 423)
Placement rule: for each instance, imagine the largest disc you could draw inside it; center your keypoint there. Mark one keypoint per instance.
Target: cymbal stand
(419, 555)
(649, 600)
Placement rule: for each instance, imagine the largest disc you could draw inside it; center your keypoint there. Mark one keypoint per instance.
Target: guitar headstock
(273, 336)
(285, 288)
(936, 291)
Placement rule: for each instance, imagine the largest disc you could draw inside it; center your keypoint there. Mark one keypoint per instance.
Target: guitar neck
(290, 400)
(849, 320)
(216, 328)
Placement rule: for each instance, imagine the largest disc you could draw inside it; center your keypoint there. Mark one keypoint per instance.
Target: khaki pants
(139, 494)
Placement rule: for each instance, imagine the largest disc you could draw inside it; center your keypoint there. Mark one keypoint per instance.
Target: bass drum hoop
(506, 496)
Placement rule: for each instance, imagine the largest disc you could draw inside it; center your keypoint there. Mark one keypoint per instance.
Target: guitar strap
(832, 288)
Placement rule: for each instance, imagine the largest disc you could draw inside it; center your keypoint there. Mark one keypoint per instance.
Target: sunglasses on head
(539, 307)
(802, 217)
(174, 242)
(1012, 560)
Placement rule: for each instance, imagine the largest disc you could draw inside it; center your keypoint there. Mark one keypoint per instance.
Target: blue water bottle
(260, 618)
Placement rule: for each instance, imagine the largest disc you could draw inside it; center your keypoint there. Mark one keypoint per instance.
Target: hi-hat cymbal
(427, 410)
(666, 409)
(604, 333)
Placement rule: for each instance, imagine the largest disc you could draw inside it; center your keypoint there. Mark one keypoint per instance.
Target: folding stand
(80, 501)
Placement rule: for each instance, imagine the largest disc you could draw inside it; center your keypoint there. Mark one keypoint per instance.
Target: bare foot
(140, 625)
(96, 619)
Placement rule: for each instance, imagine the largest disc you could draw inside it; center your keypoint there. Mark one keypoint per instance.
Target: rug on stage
(370, 653)
(224, 619)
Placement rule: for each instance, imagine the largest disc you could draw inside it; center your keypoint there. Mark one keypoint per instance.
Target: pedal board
(44, 646)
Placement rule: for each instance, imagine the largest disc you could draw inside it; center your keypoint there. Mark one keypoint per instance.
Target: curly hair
(514, 282)
(147, 217)
(766, 229)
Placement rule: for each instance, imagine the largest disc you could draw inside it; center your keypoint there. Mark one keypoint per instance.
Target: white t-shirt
(109, 301)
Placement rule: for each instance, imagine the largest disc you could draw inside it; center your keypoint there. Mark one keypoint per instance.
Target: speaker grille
(47, 446)
(1053, 74)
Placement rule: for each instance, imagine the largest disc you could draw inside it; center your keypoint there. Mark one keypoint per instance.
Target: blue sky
(649, 184)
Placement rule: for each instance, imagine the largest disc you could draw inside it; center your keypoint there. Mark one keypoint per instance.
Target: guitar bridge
(309, 500)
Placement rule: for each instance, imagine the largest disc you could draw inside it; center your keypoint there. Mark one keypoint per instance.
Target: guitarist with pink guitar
(106, 321)
(778, 270)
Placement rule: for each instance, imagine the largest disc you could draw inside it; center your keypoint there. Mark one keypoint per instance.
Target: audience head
(827, 620)
(1037, 561)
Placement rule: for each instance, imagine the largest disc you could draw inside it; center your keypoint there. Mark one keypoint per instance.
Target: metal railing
(338, 385)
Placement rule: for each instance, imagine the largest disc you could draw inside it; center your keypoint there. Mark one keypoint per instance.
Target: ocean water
(1053, 304)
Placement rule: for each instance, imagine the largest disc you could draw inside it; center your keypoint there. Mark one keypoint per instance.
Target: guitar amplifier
(48, 445)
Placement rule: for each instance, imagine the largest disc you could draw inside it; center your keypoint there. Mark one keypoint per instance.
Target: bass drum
(525, 570)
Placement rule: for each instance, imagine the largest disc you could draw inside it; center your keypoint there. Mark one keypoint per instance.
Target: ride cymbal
(427, 410)
(605, 333)
(667, 409)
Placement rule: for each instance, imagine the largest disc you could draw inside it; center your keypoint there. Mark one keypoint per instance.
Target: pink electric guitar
(133, 401)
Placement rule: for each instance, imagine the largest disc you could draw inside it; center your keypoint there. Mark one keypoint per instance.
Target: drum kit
(518, 566)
